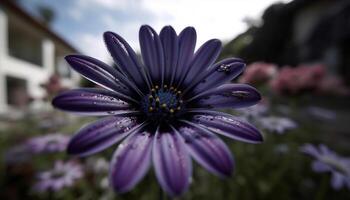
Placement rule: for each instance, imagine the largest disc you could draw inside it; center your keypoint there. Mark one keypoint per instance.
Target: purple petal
(172, 163)
(187, 43)
(208, 150)
(348, 182)
(310, 150)
(171, 51)
(219, 74)
(229, 96)
(131, 161)
(90, 101)
(326, 151)
(99, 73)
(319, 166)
(152, 53)
(101, 134)
(337, 180)
(229, 126)
(125, 57)
(203, 59)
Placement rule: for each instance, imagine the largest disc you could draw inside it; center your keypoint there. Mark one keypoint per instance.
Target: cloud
(109, 4)
(93, 45)
(75, 14)
(222, 19)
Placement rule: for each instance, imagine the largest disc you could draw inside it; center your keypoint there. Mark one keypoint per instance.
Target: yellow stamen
(157, 101)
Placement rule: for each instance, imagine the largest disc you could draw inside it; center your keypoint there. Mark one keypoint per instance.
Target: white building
(29, 54)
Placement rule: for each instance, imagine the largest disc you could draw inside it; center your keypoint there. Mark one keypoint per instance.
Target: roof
(39, 25)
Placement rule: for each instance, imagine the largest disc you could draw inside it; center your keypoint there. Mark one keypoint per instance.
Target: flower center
(162, 103)
(57, 174)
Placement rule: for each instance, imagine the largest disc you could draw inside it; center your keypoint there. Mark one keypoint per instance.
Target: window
(24, 44)
(17, 95)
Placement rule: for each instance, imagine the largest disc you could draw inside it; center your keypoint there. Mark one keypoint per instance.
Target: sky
(82, 22)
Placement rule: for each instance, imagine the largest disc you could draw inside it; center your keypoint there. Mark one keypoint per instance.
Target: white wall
(3, 54)
(34, 75)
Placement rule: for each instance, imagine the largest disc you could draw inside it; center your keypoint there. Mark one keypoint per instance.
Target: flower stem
(161, 194)
(50, 194)
(322, 190)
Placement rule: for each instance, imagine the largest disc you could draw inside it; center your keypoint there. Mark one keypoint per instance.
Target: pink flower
(310, 76)
(258, 72)
(332, 85)
(53, 86)
(299, 79)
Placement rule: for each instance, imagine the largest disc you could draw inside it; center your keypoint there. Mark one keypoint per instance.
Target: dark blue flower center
(162, 103)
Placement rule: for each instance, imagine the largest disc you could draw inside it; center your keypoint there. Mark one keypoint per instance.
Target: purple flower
(61, 176)
(255, 111)
(163, 106)
(321, 113)
(277, 124)
(18, 154)
(48, 143)
(328, 161)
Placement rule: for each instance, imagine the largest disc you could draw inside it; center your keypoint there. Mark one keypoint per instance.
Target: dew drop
(240, 94)
(224, 68)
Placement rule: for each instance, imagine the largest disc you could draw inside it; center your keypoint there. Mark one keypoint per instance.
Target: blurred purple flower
(277, 124)
(328, 161)
(254, 111)
(18, 154)
(61, 176)
(48, 143)
(321, 113)
(164, 106)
